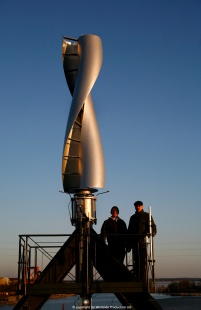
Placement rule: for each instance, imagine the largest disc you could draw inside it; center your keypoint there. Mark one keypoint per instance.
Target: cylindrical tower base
(83, 206)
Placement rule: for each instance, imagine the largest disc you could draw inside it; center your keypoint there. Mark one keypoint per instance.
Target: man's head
(138, 206)
(114, 211)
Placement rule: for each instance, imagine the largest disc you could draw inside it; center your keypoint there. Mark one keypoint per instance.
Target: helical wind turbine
(83, 169)
(83, 161)
(83, 173)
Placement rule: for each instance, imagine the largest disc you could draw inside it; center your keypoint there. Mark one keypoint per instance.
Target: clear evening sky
(148, 105)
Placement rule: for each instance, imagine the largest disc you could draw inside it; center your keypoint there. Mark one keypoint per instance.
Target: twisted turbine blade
(83, 162)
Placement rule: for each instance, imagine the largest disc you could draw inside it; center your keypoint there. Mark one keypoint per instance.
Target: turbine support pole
(83, 217)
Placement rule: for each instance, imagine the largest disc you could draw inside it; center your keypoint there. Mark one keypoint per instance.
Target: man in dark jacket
(138, 229)
(115, 231)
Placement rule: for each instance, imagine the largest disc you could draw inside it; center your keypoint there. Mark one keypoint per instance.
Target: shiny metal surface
(83, 161)
(83, 208)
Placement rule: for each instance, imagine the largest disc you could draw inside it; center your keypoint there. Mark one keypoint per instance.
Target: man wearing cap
(115, 231)
(138, 229)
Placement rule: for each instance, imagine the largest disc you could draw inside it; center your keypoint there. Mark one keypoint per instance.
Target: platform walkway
(116, 277)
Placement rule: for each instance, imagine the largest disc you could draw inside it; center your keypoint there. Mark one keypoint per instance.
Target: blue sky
(148, 105)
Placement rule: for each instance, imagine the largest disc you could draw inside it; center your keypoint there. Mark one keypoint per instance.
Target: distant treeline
(8, 288)
(182, 286)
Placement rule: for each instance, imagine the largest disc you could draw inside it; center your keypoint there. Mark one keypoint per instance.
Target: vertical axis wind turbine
(83, 168)
(83, 173)
(83, 162)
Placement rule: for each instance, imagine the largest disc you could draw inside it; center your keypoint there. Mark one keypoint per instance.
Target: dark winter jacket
(139, 227)
(118, 228)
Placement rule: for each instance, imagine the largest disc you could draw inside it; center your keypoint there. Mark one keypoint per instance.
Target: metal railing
(36, 251)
